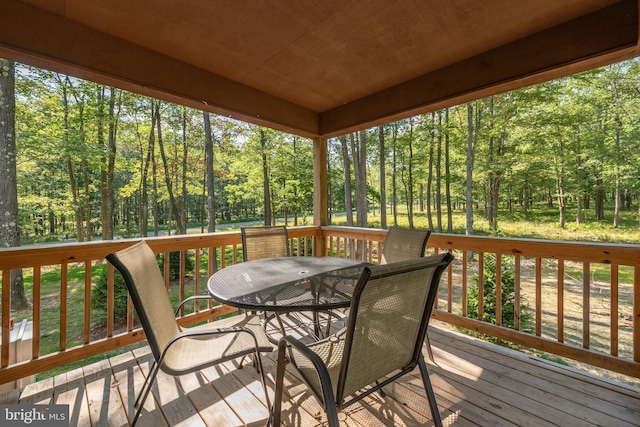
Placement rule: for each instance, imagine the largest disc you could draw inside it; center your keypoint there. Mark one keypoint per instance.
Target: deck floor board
(476, 384)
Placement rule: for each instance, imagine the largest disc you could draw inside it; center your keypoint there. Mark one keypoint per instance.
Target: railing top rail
(59, 253)
(50, 254)
(625, 254)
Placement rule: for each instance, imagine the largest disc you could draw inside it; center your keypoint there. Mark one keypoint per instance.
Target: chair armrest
(192, 298)
(328, 397)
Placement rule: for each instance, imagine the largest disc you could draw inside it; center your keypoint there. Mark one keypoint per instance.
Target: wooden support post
(320, 192)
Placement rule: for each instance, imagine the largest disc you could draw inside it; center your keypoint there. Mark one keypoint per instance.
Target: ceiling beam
(33, 36)
(596, 39)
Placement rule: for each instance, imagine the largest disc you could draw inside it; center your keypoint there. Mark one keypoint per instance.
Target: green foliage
(99, 294)
(174, 264)
(489, 296)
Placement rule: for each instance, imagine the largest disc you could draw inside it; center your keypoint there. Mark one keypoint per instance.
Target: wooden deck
(476, 383)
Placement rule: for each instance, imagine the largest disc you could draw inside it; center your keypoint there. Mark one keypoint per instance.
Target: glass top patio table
(287, 284)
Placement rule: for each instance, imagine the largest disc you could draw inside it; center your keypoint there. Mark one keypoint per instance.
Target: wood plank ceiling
(318, 68)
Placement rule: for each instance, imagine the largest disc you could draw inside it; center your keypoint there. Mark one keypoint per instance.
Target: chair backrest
(403, 244)
(264, 242)
(139, 268)
(389, 316)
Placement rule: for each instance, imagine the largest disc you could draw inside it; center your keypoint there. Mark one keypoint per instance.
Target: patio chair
(402, 244)
(264, 242)
(271, 241)
(382, 341)
(176, 350)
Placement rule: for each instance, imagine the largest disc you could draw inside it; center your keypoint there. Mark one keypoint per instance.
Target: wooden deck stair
(476, 383)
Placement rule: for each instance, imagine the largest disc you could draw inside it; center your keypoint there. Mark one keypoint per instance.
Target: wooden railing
(551, 279)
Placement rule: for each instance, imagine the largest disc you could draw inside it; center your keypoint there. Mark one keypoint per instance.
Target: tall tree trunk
(144, 197)
(599, 199)
(154, 176)
(104, 186)
(87, 198)
(494, 178)
(75, 200)
(438, 200)
(579, 191)
(562, 208)
(394, 181)
(9, 219)
(73, 183)
(360, 167)
(383, 187)
(167, 176)
(348, 203)
(525, 201)
(114, 116)
(185, 155)
(558, 161)
(268, 220)
(471, 137)
(617, 154)
(410, 176)
(107, 161)
(432, 136)
(447, 174)
(211, 197)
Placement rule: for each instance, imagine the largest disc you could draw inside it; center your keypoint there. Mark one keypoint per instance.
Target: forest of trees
(97, 161)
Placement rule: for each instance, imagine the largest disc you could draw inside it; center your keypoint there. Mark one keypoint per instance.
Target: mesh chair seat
(188, 354)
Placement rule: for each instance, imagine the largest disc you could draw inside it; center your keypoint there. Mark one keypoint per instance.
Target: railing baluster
(613, 313)
(636, 313)
(64, 282)
(87, 302)
(183, 273)
(498, 289)
(35, 304)
(6, 315)
(110, 299)
(223, 256)
(450, 287)
(167, 264)
(517, 315)
(196, 278)
(538, 275)
(480, 285)
(560, 298)
(465, 263)
(586, 304)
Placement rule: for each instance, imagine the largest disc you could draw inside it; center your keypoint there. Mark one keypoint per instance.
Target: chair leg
(144, 393)
(277, 404)
(332, 416)
(258, 363)
(426, 339)
(431, 397)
